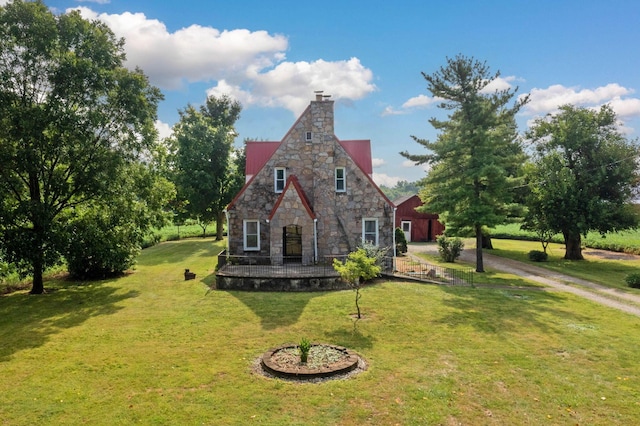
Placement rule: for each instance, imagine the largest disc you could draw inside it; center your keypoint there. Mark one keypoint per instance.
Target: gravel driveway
(613, 298)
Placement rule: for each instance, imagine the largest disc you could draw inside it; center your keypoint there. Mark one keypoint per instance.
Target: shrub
(449, 248)
(101, 245)
(401, 241)
(537, 256)
(633, 280)
(373, 251)
(5, 269)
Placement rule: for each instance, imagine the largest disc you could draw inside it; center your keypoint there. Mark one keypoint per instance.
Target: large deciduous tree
(476, 156)
(583, 177)
(105, 236)
(71, 118)
(204, 171)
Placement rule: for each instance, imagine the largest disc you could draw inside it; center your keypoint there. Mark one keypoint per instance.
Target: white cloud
(420, 101)
(289, 84)
(391, 111)
(543, 101)
(386, 180)
(626, 108)
(94, 1)
(248, 65)
(164, 130)
(3, 2)
(410, 164)
(377, 162)
(191, 54)
(500, 83)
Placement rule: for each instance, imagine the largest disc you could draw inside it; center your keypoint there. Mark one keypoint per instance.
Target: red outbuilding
(417, 227)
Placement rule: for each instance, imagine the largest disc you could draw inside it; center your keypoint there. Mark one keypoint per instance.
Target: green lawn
(625, 241)
(608, 272)
(151, 348)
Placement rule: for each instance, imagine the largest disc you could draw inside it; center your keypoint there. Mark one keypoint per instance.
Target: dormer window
(279, 179)
(308, 136)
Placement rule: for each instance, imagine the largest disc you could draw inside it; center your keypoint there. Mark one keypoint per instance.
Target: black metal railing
(276, 266)
(301, 266)
(425, 271)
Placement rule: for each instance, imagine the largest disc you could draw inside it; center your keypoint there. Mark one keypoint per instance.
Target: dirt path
(613, 298)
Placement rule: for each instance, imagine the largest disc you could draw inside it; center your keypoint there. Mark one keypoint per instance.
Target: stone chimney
(322, 115)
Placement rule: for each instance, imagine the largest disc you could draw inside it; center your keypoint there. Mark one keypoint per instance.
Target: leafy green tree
(71, 118)
(476, 156)
(205, 173)
(583, 176)
(401, 189)
(105, 238)
(356, 269)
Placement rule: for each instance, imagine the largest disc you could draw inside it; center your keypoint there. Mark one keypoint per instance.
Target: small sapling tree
(356, 269)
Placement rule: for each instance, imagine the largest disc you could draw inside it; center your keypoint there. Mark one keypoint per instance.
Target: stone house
(308, 197)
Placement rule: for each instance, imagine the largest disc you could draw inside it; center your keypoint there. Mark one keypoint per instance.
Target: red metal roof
(360, 152)
(258, 152)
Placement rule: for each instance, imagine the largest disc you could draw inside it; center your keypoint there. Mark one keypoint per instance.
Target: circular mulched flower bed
(324, 361)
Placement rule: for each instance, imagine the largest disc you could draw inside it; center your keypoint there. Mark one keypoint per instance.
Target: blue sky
(272, 56)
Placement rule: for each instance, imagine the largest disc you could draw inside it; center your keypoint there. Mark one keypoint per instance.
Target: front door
(406, 228)
(292, 243)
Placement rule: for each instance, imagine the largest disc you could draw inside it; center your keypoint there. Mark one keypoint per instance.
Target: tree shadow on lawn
(351, 338)
(180, 250)
(275, 309)
(506, 310)
(27, 321)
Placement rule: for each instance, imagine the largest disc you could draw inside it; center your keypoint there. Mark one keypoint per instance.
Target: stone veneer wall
(291, 212)
(339, 214)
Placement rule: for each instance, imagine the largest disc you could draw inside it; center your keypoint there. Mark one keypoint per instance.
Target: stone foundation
(280, 284)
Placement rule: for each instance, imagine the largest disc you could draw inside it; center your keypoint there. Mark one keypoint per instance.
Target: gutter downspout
(394, 238)
(226, 213)
(315, 239)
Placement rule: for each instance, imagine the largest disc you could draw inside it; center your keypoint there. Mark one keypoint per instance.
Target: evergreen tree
(476, 156)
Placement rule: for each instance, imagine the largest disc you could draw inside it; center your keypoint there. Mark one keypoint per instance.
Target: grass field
(150, 348)
(12, 281)
(626, 241)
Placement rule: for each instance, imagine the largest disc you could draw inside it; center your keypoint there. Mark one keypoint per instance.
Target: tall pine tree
(476, 155)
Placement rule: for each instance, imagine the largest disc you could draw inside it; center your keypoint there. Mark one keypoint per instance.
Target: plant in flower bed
(304, 347)
(319, 356)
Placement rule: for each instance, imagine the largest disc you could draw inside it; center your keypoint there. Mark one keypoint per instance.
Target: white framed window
(308, 136)
(251, 231)
(341, 182)
(370, 230)
(279, 178)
